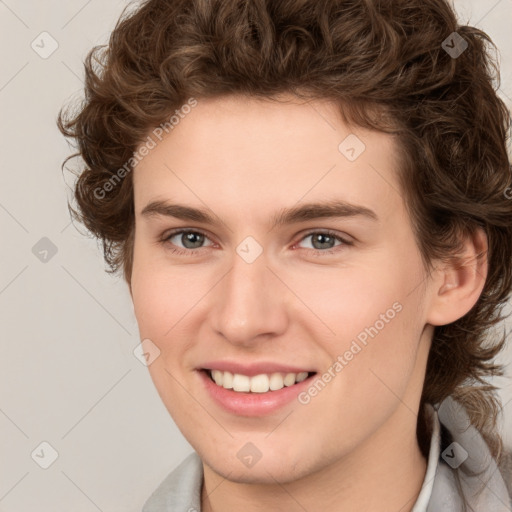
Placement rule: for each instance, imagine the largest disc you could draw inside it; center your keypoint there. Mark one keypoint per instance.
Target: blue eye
(192, 242)
(323, 240)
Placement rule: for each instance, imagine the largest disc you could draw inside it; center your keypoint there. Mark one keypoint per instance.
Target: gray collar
(464, 458)
(456, 450)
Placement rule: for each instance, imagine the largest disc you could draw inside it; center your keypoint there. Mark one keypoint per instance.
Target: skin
(353, 447)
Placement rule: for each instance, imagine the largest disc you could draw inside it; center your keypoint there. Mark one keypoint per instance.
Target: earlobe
(459, 283)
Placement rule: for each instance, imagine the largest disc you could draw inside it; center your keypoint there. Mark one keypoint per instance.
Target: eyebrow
(296, 214)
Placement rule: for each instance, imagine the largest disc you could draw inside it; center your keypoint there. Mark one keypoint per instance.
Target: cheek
(157, 292)
(371, 317)
(350, 302)
(161, 299)
(372, 355)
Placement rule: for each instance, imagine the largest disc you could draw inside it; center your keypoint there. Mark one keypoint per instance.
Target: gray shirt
(466, 457)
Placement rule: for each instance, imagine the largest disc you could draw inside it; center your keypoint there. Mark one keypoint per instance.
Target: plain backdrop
(73, 396)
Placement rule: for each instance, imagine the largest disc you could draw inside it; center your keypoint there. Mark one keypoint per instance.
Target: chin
(267, 470)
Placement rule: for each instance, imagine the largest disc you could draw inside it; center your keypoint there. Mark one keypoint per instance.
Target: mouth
(255, 389)
(261, 383)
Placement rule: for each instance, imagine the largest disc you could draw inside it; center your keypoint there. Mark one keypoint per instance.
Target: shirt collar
(432, 462)
(465, 454)
(460, 466)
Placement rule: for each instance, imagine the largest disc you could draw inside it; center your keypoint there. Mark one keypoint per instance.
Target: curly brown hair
(387, 67)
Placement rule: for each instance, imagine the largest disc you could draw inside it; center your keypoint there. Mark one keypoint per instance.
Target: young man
(309, 202)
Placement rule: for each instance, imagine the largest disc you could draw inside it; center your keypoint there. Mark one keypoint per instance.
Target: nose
(249, 303)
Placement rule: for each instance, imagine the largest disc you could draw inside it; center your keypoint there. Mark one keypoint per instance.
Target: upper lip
(253, 368)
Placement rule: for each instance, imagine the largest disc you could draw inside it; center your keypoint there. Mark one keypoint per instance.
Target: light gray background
(68, 375)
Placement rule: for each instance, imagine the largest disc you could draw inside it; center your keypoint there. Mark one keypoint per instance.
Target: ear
(457, 285)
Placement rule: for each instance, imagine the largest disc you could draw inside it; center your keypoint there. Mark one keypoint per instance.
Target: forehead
(253, 154)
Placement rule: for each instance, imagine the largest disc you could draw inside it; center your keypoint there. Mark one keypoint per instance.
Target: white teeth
(261, 383)
(240, 382)
(289, 380)
(227, 380)
(217, 377)
(301, 376)
(276, 382)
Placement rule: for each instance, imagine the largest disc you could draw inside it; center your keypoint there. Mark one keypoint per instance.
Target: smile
(261, 383)
(253, 395)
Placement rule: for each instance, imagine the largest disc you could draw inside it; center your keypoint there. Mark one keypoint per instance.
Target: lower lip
(252, 404)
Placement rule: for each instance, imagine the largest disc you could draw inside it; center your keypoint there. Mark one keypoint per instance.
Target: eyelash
(192, 252)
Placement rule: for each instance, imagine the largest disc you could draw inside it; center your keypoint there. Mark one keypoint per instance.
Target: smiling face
(264, 282)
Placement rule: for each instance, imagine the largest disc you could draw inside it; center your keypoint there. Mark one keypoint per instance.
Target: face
(265, 284)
